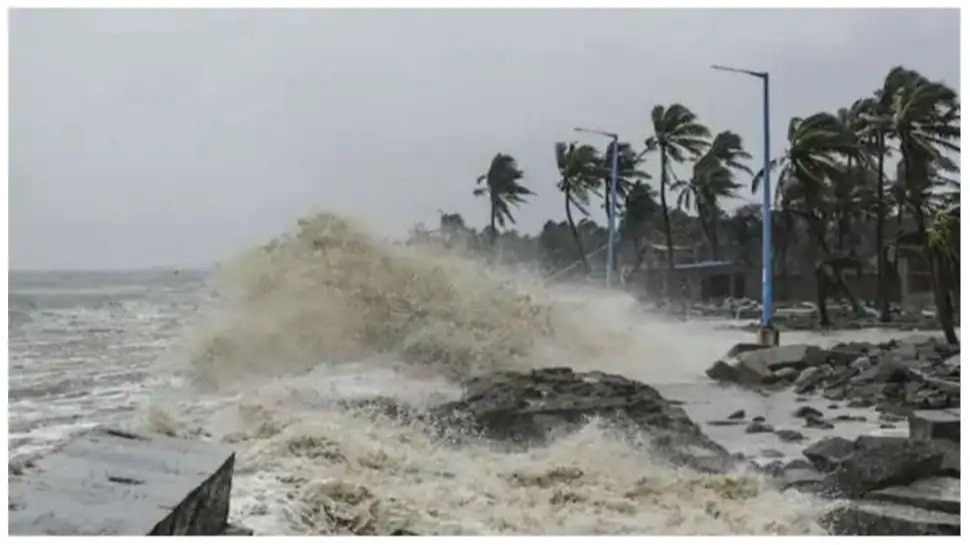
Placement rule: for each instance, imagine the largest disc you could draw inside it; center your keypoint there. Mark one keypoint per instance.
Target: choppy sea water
(89, 349)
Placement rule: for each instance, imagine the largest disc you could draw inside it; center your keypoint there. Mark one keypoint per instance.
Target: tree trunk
(842, 221)
(491, 229)
(572, 227)
(702, 217)
(663, 204)
(820, 291)
(783, 248)
(881, 291)
(714, 241)
(836, 276)
(938, 277)
(944, 307)
(856, 309)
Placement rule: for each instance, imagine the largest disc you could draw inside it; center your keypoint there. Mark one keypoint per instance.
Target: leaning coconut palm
(639, 220)
(943, 245)
(628, 174)
(743, 229)
(941, 242)
(712, 180)
(503, 189)
(926, 122)
(815, 144)
(677, 136)
(577, 167)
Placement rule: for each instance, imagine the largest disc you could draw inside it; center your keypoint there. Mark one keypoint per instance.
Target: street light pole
(611, 212)
(768, 334)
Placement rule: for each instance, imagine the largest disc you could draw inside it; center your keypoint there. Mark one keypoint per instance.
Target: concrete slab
(934, 493)
(797, 356)
(107, 482)
(935, 424)
(878, 518)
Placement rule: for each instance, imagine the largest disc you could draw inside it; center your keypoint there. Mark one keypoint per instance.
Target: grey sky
(143, 138)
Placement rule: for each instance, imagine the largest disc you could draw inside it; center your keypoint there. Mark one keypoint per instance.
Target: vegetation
(503, 189)
(835, 199)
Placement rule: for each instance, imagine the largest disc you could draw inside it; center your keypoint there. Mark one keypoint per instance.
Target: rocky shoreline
(878, 485)
(889, 485)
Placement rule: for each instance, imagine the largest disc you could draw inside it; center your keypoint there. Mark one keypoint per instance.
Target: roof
(705, 265)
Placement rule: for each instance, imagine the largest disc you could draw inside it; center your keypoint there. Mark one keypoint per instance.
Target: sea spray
(328, 314)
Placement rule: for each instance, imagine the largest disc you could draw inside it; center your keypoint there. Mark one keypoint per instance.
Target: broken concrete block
(933, 493)
(879, 518)
(877, 462)
(108, 482)
(722, 371)
(797, 356)
(786, 373)
(935, 424)
(829, 453)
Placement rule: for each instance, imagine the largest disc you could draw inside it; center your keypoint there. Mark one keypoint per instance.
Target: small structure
(712, 279)
(109, 482)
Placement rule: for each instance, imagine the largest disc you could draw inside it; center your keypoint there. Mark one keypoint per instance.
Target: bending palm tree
(926, 121)
(712, 180)
(677, 136)
(577, 170)
(503, 189)
(804, 173)
(639, 219)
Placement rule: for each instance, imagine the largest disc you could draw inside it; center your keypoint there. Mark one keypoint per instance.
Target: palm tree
(852, 187)
(943, 245)
(712, 180)
(628, 174)
(503, 189)
(677, 136)
(639, 219)
(744, 227)
(577, 170)
(926, 122)
(805, 170)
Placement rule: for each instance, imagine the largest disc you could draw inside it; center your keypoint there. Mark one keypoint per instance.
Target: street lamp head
(594, 131)
(740, 71)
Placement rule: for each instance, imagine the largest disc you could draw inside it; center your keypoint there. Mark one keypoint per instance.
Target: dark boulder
(806, 411)
(759, 427)
(533, 408)
(829, 453)
(879, 462)
(790, 436)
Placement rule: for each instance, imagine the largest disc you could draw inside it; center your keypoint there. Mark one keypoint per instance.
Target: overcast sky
(177, 138)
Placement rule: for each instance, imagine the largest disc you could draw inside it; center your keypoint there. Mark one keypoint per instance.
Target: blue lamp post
(611, 213)
(768, 334)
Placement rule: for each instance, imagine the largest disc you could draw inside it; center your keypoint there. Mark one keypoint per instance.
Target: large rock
(755, 364)
(844, 354)
(938, 424)
(108, 482)
(533, 408)
(797, 356)
(878, 462)
(879, 518)
(829, 453)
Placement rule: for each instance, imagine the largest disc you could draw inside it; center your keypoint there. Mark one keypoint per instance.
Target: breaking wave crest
(330, 292)
(328, 316)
